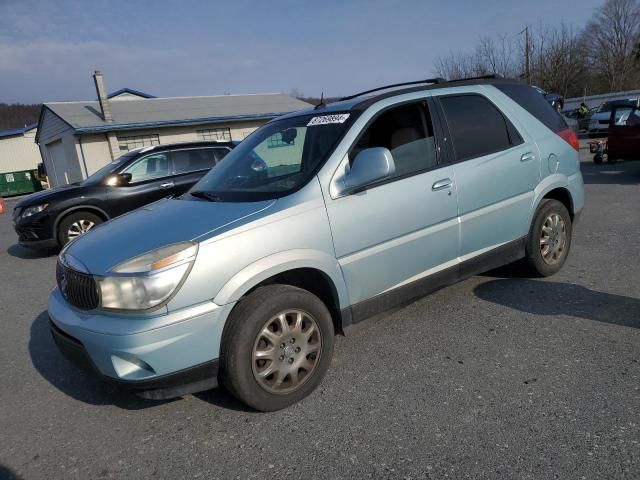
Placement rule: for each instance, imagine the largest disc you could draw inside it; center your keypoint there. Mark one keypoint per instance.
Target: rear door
(190, 165)
(496, 170)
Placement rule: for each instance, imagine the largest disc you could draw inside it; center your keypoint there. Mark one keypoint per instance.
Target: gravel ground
(495, 377)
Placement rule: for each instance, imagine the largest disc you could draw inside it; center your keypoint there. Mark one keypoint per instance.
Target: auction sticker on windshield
(328, 119)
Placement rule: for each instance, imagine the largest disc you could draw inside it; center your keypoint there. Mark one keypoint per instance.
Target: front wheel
(549, 238)
(276, 347)
(76, 224)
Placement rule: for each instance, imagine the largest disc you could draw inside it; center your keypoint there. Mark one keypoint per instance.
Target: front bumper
(35, 232)
(165, 355)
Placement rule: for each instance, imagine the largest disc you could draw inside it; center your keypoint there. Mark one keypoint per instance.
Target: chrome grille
(79, 289)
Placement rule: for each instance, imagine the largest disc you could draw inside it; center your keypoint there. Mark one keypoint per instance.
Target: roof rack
(404, 84)
(479, 77)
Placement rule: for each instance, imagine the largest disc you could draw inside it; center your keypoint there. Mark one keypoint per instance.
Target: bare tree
(498, 56)
(491, 56)
(458, 65)
(611, 37)
(558, 60)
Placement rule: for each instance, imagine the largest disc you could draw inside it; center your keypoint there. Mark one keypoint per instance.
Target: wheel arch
(79, 208)
(316, 272)
(553, 187)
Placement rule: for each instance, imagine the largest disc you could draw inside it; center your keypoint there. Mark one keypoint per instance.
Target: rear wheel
(276, 347)
(76, 224)
(549, 238)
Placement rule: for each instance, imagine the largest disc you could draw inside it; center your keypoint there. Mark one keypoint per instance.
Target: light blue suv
(317, 221)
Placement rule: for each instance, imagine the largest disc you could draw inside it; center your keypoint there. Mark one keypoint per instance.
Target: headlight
(148, 280)
(28, 211)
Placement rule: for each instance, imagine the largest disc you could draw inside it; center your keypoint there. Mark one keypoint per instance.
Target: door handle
(527, 156)
(167, 185)
(442, 184)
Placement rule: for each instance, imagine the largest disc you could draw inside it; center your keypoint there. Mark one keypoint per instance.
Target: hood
(157, 225)
(38, 198)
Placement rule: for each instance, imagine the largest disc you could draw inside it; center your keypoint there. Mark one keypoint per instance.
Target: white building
(18, 150)
(78, 138)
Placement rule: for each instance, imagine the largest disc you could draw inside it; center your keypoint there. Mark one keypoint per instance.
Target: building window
(214, 134)
(276, 141)
(137, 141)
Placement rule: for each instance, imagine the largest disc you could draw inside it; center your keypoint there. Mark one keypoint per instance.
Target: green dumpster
(19, 183)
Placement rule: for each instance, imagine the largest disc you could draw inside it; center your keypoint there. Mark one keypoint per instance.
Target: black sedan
(51, 218)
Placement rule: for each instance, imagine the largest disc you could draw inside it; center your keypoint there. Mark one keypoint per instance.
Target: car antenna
(321, 104)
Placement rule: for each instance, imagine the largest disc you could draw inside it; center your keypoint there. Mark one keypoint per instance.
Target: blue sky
(48, 50)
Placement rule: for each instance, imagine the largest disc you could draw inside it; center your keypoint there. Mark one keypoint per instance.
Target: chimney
(102, 96)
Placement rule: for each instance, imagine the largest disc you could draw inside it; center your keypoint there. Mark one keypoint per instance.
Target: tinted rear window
(533, 102)
(477, 127)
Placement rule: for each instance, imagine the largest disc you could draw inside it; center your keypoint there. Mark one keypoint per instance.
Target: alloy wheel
(78, 228)
(286, 351)
(553, 239)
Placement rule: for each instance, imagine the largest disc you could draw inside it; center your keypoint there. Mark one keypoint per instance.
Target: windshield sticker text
(328, 119)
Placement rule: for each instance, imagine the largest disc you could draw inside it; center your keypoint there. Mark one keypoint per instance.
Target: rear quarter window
(534, 103)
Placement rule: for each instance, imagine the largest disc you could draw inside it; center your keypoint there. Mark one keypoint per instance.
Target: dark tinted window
(221, 153)
(193, 160)
(529, 99)
(407, 132)
(476, 126)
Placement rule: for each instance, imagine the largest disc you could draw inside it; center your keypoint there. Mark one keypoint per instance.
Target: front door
(405, 228)
(151, 180)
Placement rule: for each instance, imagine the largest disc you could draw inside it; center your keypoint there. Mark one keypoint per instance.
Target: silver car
(317, 221)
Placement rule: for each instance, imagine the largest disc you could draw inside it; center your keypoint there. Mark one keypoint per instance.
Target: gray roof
(149, 112)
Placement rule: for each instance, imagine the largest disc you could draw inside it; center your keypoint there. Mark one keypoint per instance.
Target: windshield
(99, 175)
(605, 107)
(276, 159)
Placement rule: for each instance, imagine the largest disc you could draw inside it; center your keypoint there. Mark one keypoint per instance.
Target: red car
(624, 133)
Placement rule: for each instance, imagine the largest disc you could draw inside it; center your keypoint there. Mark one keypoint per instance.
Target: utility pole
(527, 55)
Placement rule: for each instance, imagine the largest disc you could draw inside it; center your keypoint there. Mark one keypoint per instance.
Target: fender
(551, 182)
(280, 262)
(90, 208)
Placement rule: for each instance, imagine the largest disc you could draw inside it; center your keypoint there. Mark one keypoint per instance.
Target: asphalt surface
(495, 377)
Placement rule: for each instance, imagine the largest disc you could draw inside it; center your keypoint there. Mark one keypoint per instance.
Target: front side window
(407, 132)
(627, 117)
(255, 170)
(476, 126)
(148, 168)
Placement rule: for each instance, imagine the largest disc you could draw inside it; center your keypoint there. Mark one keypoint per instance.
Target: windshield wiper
(212, 197)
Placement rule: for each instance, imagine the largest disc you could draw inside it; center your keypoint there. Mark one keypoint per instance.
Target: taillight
(569, 136)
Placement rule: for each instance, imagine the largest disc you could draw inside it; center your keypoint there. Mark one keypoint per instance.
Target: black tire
(534, 258)
(80, 218)
(242, 333)
(597, 158)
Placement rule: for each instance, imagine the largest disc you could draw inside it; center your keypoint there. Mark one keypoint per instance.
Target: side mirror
(118, 179)
(370, 165)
